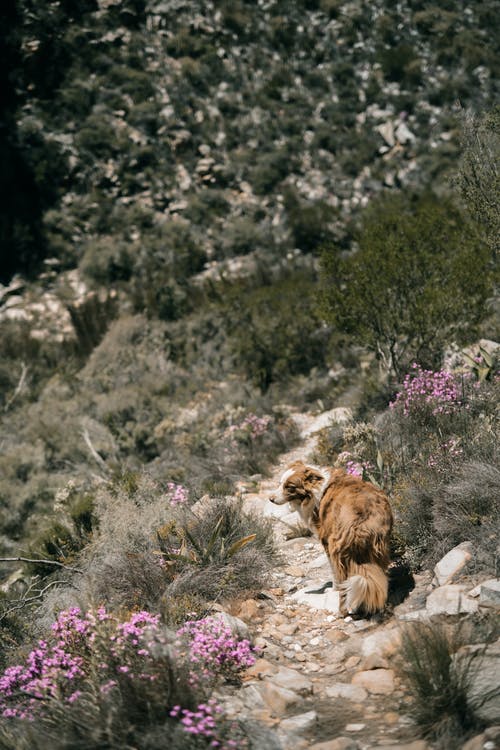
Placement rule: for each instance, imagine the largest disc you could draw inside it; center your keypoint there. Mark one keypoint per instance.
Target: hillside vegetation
(215, 215)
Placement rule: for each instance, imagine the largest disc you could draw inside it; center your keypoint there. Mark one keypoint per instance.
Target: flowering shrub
(214, 650)
(354, 466)
(249, 429)
(135, 665)
(56, 669)
(205, 722)
(177, 494)
(427, 393)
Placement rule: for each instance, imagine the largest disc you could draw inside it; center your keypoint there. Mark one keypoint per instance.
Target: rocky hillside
(156, 138)
(234, 233)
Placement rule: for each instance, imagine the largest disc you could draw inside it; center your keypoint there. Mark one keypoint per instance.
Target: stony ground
(322, 681)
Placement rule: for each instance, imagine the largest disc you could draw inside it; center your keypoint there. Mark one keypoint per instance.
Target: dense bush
(98, 680)
(268, 327)
(419, 276)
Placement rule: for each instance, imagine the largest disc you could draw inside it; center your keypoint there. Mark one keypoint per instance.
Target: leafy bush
(268, 327)
(402, 293)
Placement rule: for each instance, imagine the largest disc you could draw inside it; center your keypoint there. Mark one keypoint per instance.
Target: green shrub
(268, 327)
(419, 275)
(401, 63)
(309, 222)
(478, 180)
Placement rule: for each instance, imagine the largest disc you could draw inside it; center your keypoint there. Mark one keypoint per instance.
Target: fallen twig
(41, 561)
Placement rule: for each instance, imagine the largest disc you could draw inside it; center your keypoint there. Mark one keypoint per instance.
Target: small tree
(419, 274)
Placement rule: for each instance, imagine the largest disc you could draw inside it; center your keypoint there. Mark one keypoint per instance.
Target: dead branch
(41, 561)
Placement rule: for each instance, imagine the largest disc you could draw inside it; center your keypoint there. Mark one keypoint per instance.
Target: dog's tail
(366, 588)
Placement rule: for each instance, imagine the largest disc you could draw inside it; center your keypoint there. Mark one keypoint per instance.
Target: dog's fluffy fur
(353, 520)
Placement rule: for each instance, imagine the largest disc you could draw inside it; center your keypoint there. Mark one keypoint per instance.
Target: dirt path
(322, 678)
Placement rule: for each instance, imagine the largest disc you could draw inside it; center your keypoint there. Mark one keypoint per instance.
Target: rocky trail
(322, 681)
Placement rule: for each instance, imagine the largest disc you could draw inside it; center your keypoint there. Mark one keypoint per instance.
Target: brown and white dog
(353, 520)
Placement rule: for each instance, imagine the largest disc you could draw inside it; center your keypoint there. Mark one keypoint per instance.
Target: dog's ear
(312, 475)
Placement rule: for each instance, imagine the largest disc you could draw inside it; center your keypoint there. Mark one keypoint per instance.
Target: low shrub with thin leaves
(438, 683)
(219, 550)
(130, 677)
(440, 442)
(152, 549)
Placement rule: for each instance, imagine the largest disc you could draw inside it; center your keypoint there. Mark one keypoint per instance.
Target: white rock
(379, 681)
(278, 699)
(354, 727)
(386, 130)
(404, 134)
(490, 591)
(349, 692)
(329, 601)
(382, 643)
(452, 563)
(450, 600)
(414, 615)
(292, 680)
(299, 724)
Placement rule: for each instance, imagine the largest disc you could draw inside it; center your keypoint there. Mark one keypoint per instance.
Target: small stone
(248, 609)
(261, 668)
(452, 563)
(292, 680)
(391, 717)
(379, 681)
(374, 661)
(295, 571)
(315, 641)
(340, 743)
(383, 643)
(490, 591)
(299, 724)
(336, 636)
(312, 667)
(277, 699)
(288, 628)
(354, 727)
(349, 692)
(352, 662)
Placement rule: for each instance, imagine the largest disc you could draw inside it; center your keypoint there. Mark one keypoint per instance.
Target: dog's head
(299, 486)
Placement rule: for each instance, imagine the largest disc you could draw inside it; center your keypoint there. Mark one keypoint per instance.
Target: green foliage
(478, 179)
(310, 222)
(401, 63)
(275, 332)
(419, 275)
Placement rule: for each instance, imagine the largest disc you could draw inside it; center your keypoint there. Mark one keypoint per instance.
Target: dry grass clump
(439, 683)
(152, 552)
